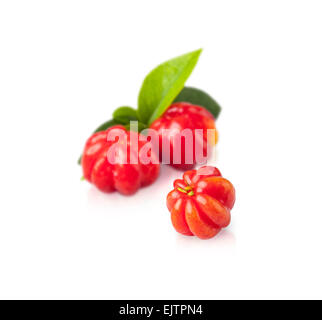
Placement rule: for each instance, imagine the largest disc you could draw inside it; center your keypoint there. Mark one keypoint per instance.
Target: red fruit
(178, 117)
(200, 203)
(125, 172)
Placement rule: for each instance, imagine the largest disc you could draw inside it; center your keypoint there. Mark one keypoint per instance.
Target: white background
(66, 65)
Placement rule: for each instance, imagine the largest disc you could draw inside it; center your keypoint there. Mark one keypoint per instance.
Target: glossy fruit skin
(180, 116)
(200, 203)
(124, 177)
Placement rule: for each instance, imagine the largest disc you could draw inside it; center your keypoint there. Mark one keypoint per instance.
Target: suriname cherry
(127, 172)
(178, 117)
(200, 203)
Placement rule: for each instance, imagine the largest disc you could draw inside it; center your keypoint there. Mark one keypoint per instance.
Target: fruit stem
(182, 190)
(188, 190)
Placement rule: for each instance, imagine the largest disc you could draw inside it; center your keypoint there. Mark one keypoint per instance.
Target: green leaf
(140, 127)
(102, 127)
(200, 98)
(163, 84)
(125, 114)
